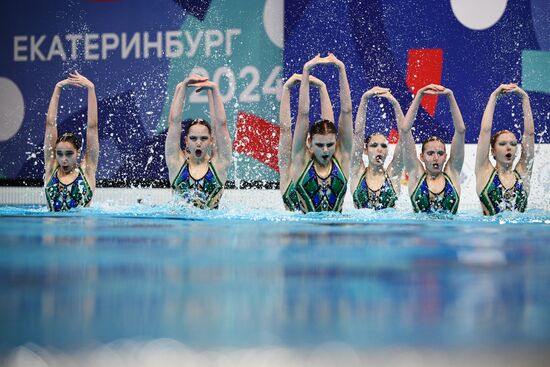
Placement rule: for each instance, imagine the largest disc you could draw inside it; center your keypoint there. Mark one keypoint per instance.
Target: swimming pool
(255, 279)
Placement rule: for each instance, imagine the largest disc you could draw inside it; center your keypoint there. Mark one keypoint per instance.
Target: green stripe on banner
(535, 71)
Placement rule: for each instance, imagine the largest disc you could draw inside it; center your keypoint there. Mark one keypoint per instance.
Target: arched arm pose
(286, 186)
(503, 187)
(373, 186)
(69, 184)
(195, 176)
(434, 183)
(320, 161)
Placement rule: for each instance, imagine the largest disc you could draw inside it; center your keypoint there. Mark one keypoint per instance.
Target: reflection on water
(72, 281)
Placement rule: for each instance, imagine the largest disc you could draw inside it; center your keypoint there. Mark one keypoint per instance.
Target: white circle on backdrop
(12, 109)
(478, 15)
(274, 21)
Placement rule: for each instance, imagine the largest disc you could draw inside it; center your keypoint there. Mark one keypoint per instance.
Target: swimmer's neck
(198, 161)
(433, 176)
(62, 173)
(375, 170)
(504, 168)
(322, 170)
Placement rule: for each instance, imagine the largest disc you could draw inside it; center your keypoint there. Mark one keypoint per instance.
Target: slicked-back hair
(497, 134)
(430, 139)
(322, 127)
(70, 138)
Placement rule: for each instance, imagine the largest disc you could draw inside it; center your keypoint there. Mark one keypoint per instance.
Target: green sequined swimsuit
(202, 193)
(445, 201)
(496, 198)
(321, 194)
(290, 198)
(61, 197)
(384, 197)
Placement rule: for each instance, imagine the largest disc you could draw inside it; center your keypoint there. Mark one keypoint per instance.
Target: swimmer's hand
(331, 59)
(293, 80)
(75, 79)
(193, 79)
(376, 91)
(504, 89)
(297, 78)
(381, 93)
(433, 89)
(517, 90)
(79, 80)
(206, 84)
(62, 83)
(311, 63)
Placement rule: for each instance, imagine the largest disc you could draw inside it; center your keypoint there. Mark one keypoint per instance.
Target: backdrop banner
(137, 51)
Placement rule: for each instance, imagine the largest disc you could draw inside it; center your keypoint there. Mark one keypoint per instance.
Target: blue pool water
(251, 279)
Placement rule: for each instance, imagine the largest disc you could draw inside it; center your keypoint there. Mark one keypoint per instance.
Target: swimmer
(286, 186)
(373, 186)
(69, 184)
(434, 184)
(320, 162)
(198, 173)
(502, 186)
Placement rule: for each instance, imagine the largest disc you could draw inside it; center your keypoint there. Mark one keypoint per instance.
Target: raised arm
(172, 149)
(410, 158)
(484, 140)
(91, 156)
(357, 165)
(396, 166)
(223, 154)
(302, 121)
(285, 135)
(345, 128)
(50, 135)
(525, 164)
(456, 157)
(326, 104)
(212, 113)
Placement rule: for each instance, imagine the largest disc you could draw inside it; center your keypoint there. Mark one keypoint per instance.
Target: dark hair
(497, 134)
(70, 138)
(369, 137)
(322, 127)
(188, 123)
(431, 138)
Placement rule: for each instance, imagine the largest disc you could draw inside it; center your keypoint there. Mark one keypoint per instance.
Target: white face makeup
(505, 148)
(66, 156)
(377, 150)
(322, 147)
(434, 157)
(198, 141)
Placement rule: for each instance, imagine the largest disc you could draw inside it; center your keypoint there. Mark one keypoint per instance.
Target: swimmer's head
(430, 139)
(433, 155)
(198, 138)
(67, 151)
(495, 137)
(504, 147)
(376, 148)
(69, 138)
(322, 141)
(322, 127)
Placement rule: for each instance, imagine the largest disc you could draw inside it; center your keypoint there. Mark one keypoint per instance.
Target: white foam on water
(170, 353)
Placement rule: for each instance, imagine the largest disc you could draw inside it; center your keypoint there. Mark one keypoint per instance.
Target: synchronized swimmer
(317, 161)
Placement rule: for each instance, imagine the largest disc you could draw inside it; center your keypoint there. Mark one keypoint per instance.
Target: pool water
(260, 278)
